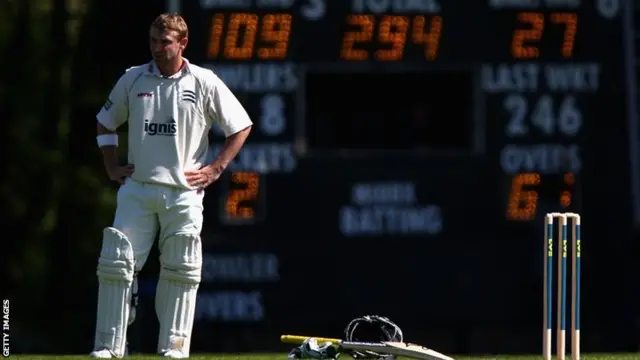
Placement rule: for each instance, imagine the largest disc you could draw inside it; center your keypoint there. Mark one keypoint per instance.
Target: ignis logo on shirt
(167, 129)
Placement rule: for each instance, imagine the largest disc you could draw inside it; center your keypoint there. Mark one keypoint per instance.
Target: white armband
(107, 140)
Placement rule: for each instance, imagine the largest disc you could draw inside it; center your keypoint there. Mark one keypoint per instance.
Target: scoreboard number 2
(241, 202)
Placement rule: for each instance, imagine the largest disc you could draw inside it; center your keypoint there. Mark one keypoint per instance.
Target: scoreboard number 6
(522, 204)
(568, 119)
(523, 198)
(609, 8)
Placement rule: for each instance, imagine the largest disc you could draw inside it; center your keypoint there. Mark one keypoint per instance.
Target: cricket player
(169, 105)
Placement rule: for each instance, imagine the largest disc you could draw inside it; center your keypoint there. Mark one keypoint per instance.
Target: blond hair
(172, 22)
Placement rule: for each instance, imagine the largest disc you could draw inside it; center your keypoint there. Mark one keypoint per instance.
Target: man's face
(165, 45)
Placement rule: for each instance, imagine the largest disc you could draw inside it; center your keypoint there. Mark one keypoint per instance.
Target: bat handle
(298, 339)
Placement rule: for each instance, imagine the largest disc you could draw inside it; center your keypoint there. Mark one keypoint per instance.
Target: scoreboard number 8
(272, 120)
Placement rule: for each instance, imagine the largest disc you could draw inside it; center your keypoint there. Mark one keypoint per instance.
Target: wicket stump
(562, 286)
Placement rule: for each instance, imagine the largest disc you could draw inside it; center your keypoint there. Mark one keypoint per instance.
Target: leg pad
(180, 274)
(115, 274)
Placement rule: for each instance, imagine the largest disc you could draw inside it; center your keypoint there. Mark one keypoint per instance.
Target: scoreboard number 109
(247, 31)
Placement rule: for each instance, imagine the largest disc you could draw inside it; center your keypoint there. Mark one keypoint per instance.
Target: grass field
(284, 357)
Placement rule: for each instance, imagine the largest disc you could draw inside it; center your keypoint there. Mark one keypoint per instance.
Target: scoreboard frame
(630, 54)
(544, 38)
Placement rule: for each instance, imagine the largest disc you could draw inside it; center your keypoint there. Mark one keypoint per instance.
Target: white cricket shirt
(169, 119)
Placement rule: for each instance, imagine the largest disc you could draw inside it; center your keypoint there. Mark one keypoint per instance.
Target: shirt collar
(152, 69)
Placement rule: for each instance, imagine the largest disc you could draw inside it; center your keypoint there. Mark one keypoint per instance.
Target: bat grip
(299, 339)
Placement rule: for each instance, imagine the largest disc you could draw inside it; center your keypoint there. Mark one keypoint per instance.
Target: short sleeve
(225, 109)
(115, 110)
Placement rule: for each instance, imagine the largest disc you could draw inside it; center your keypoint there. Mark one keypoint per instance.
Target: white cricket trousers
(145, 209)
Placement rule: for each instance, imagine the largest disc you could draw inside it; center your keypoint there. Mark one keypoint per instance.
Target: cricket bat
(414, 351)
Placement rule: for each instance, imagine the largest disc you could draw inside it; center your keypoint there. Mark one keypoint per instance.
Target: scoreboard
(395, 128)
(412, 140)
(517, 82)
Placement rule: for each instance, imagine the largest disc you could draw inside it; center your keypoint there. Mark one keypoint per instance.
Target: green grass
(284, 357)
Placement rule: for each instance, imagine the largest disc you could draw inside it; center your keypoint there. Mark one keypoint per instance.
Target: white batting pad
(115, 274)
(181, 267)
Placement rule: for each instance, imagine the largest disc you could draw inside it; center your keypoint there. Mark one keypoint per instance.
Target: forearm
(231, 148)
(109, 152)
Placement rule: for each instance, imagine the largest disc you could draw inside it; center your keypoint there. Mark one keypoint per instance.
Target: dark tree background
(60, 59)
